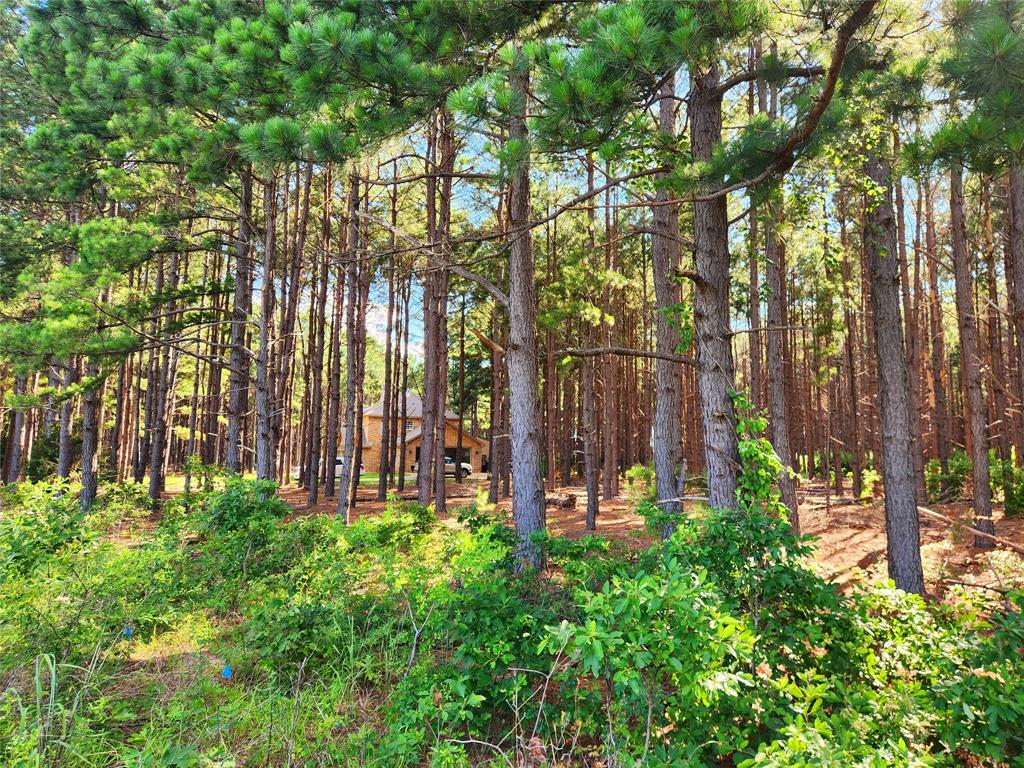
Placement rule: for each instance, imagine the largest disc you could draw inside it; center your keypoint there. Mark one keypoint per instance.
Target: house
(474, 449)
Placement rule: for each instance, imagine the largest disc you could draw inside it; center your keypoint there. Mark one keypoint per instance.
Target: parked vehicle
(337, 470)
(464, 469)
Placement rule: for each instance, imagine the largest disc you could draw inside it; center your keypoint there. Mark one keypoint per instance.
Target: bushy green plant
(640, 484)
(588, 561)
(423, 516)
(482, 518)
(869, 478)
(243, 502)
(1007, 477)
(42, 463)
(947, 486)
(39, 519)
(666, 651)
(982, 704)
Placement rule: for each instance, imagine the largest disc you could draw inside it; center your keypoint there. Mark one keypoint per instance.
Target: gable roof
(414, 408)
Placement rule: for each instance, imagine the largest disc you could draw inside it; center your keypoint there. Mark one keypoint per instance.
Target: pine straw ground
(850, 536)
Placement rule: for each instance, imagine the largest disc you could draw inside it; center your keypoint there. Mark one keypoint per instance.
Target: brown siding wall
(374, 426)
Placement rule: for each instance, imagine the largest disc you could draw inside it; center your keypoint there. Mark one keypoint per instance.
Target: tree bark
(666, 434)
(316, 399)
(901, 521)
(352, 278)
(715, 367)
(462, 391)
(778, 389)
(238, 378)
(265, 469)
(426, 465)
(993, 326)
(404, 410)
(12, 461)
(940, 411)
(1015, 248)
(386, 438)
(365, 276)
(334, 384)
(164, 393)
(974, 400)
(90, 436)
(528, 510)
(910, 334)
(609, 371)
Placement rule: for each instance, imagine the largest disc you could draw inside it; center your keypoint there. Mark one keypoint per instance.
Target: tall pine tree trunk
(715, 367)
(12, 461)
(265, 469)
(1016, 260)
(238, 378)
(334, 382)
(386, 437)
(404, 388)
(528, 510)
(778, 391)
(993, 326)
(445, 167)
(316, 399)
(290, 309)
(164, 393)
(64, 446)
(940, 411)
(426, 465)
(609, 371)
(910, 334)
(352, 278)
(365, 275)
(667, 430)
(974, 402)
(462, 391)
(90, 435)
(589, 404)
(901, 522)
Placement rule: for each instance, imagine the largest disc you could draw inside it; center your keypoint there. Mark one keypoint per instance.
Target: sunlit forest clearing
(448, 383)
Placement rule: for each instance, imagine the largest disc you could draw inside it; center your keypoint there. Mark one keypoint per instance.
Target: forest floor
(850, 542)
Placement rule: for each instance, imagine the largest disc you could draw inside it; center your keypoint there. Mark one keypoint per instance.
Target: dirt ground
(849, 536)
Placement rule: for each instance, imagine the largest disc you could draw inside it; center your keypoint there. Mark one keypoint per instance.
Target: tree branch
(752, 74)
(427, 249)
(627, 352)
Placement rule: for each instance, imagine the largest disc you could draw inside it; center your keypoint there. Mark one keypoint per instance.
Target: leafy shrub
(86, 596)
(947, 486)
(42, 463)
(39, 519)
(1007, 477)
(588, 561)
(869, 478)
(422, 516)
(640, 484)
(481, 518)
(667, 652)
(243, 502)
(983, 703)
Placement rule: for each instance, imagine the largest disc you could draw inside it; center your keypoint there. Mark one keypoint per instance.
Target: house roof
(414, 408)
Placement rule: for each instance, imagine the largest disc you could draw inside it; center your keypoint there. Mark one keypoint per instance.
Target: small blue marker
(226, 672)
(127, 632)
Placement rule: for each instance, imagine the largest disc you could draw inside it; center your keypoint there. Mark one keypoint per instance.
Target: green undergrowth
(215, 633)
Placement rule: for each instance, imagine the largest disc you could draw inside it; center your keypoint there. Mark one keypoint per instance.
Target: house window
(408, 425)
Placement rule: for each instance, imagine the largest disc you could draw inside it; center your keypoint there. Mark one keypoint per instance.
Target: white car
(337, 470)
(465, 470)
